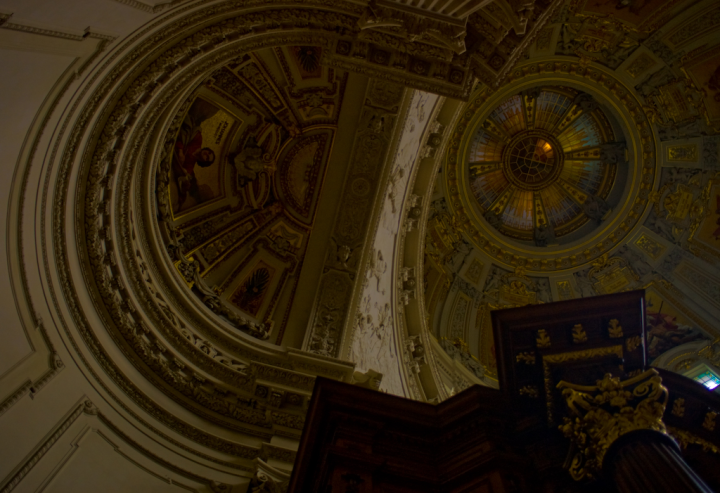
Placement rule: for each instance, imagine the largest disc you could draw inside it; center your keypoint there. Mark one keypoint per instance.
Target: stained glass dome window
(542, 164)
(708, 379)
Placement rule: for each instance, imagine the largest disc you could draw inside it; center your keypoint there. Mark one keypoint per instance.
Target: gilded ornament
(530, 391)
(709, 423)
(543, 339)
(711, 352)
(585, 354)
(678, 408)
(682, 153)
(650, 246)
(578, 334)
(604, 412)
(527, 357)
(632, 343)
(615, 330)
(685, 438)
(640, 65)
(474, 271)
(565, 290)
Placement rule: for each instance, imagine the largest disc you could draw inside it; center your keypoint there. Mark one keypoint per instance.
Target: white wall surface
(27, 77)
(74, 16)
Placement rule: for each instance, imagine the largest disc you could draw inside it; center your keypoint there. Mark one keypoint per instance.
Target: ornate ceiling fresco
(236, 226)
(243, 196)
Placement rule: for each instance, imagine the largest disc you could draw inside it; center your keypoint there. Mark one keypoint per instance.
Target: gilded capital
(602, 413)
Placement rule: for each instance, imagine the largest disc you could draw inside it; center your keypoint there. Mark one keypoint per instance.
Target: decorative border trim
(87, 407)
(42, 449)
(153, 9)
(15, 397)
(4, 24)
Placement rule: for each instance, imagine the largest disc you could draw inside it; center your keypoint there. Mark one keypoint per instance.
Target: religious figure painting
(666, 326)
(196, 169)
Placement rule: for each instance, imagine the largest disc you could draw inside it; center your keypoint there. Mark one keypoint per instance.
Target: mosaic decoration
(539, 160)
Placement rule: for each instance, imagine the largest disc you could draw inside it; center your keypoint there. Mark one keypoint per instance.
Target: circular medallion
(533, 160)
(360, 186)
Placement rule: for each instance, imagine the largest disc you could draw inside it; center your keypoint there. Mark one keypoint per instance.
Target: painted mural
(666, 326)
(196, 171)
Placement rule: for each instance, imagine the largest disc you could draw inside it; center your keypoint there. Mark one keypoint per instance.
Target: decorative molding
(15, 397)
(283, 454)
(91, 409)
(98, 229)
(153, 9)
(378, 118)
(190, 432)
(49, 32)
(42, 449)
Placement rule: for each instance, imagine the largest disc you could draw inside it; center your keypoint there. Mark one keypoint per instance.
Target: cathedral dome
(542, 164)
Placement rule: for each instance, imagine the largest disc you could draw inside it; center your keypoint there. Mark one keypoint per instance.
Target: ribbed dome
(539, 164)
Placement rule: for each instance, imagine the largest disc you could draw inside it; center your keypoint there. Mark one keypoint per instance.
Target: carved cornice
(49, 32)
(153, 9)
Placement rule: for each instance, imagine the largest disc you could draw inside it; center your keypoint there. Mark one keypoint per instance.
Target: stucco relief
(375, 344)
(353, 217)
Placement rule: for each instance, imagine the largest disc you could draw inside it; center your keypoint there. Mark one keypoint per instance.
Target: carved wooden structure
(483, 439)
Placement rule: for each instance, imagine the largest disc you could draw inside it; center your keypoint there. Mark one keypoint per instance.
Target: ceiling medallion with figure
(539, 166)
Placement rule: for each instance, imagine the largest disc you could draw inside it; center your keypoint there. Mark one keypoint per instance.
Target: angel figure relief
(250, 162)
(378, 267)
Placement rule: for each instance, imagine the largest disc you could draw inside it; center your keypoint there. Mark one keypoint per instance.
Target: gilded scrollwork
(602, 413)
(685, 438)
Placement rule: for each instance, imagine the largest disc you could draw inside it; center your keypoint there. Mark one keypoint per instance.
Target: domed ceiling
(238, 192)
(591, 170)
(539, 167)
(245, 195)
